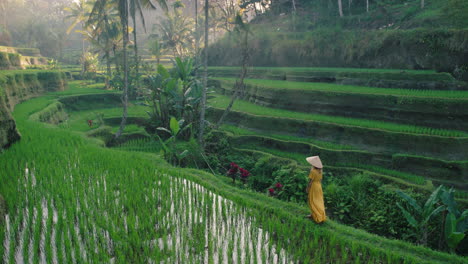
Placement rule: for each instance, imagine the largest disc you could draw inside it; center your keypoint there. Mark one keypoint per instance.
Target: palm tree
(197, 43)
(104, 42)
(105, 35)
(136, 9)
(123, 10)
(205, 79)
(156, 50)
(122, 6)
(79, 12)
(176, 32)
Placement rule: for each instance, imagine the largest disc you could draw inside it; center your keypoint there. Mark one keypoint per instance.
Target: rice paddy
(348, 89)
(87, 204)
(221, 102)
(94, 218)
(327, 69)
(243, 131)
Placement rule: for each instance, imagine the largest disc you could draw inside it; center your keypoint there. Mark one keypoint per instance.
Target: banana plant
(176, 93)
(456, 222)
(169, 146)
(418, 216)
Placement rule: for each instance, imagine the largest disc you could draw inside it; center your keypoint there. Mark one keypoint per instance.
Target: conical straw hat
(315, 161)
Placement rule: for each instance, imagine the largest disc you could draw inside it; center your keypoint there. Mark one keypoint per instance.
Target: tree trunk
(109, 71)
(137, 66)
(367, 6)
(3, 5)
(205, 81)
(239, 86)
(294, 5)
(422, 4)
(197, 39)
(83, 54)
(125, 65)
(340, 8)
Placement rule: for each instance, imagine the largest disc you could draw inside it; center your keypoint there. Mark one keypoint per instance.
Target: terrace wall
(402, 79)
(433, 112)
(18, 86)
(374, 140)
(453, 173)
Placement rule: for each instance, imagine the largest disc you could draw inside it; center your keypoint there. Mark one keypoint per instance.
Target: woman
(314, 190)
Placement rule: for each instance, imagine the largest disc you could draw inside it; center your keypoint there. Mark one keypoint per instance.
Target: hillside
(393, 34)
(378, 14)
(139, 203)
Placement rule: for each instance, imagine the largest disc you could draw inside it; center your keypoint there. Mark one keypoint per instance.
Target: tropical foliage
(174, 93)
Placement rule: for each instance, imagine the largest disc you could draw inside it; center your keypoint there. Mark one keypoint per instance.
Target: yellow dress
(315, 196)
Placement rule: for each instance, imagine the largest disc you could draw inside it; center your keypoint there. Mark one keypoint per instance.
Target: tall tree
(205, 78)
(123, 14)
(156, 49)
(197, 39)
(3, 8)
(79, 12)
(123, 10)
(136, 10)
(243, 30)
(99, 8)
(176, 31)
(106, 34)
(340, 8)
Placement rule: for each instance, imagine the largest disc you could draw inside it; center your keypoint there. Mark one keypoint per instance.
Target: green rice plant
(326, 69)
(416, 179)
(244, 131)
(221, 102)
(137, 203)
(347, 89)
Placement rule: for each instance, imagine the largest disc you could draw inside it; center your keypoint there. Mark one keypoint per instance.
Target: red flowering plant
(275, 189)
(271, 191)
(232, 172)
(236, 171)
(244, 174)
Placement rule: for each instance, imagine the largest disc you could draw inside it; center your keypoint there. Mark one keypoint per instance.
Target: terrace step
(437, 109)
(366, 138)
(456, 173)
(404, 79)
(423, 186)
(20, 58)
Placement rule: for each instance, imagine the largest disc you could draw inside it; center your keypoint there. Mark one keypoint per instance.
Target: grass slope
(54, 154)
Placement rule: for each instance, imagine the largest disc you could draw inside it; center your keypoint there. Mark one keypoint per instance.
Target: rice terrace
(234, 131)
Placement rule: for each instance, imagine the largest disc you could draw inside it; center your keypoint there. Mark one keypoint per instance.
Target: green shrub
(4, 60)
(293, 182)
(15, 59)
(364, 202)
